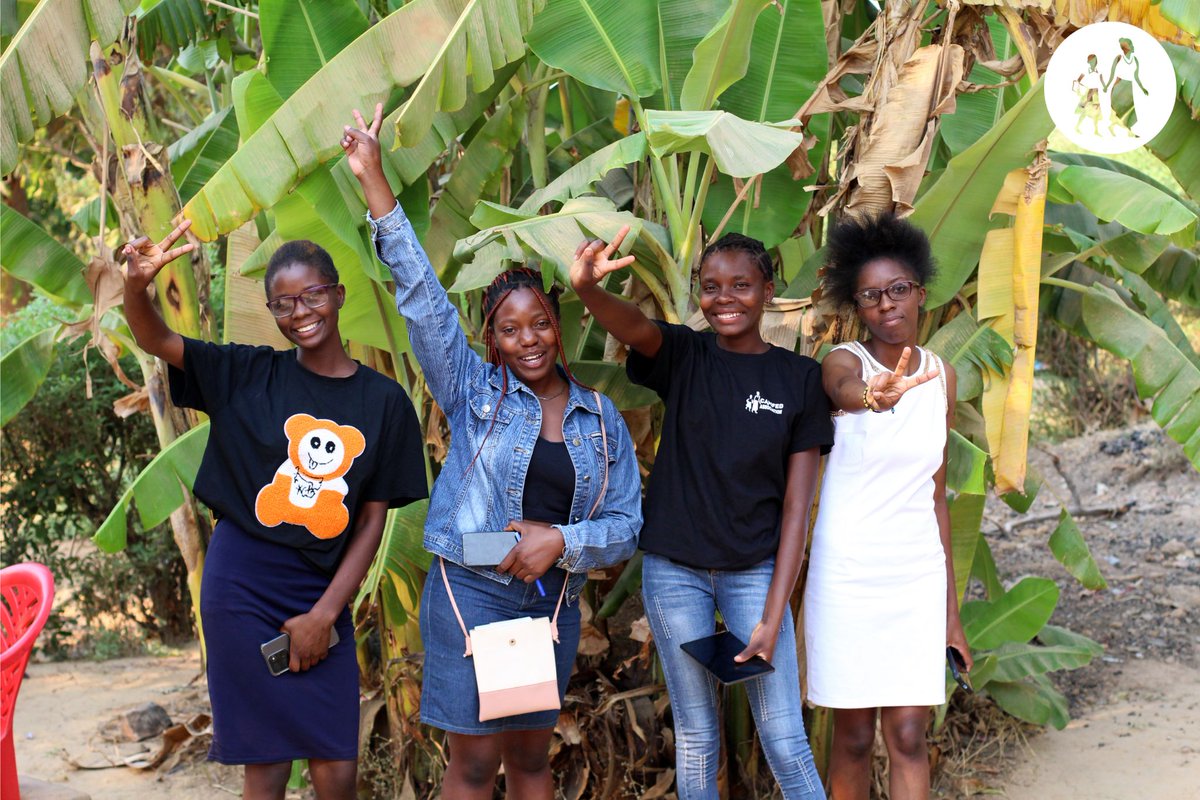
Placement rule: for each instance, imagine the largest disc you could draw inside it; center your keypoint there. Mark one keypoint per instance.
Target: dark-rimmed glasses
(313, 297)
(869, 298)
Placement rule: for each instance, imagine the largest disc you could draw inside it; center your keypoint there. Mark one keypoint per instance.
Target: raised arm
(434, 332)
(841, 376)
(144, 259)
(618, 316)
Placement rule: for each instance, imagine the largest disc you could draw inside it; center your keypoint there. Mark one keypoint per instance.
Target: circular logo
(1110, 87)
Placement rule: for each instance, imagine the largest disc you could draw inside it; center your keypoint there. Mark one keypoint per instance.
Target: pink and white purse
(515, 671)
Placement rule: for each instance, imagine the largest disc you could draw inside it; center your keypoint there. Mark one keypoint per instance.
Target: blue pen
(538, 582)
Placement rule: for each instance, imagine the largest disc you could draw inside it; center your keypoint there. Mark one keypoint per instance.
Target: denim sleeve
(437, 340)
(610, 535)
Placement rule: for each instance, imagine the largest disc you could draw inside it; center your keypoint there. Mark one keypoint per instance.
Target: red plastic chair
(26, 594)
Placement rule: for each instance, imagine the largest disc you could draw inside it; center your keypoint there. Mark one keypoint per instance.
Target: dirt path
(62, 706)
(1141, 741)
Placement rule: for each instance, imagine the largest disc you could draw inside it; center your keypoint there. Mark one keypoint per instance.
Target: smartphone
(488, 548)
(277, 652)
(716, 654)
(958, 669)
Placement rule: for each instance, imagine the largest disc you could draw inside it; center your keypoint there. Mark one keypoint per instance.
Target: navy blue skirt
(250, 587)
(449, 695)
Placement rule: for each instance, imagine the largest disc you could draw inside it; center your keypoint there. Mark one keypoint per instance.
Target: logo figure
(1110, 87)
(756, 402)
(308, 488)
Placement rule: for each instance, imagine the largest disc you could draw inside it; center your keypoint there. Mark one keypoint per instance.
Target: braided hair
(494, 296)
(751, 248)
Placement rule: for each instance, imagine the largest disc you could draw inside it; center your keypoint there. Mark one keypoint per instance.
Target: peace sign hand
(144, 258)
(887, 388)
(361, 144)
(593, 260)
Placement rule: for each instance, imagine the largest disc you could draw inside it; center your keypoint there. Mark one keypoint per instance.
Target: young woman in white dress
(880, 603)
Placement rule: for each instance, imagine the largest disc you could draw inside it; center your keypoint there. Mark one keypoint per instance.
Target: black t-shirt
(715, 496)
(291, 454)
(549, 484)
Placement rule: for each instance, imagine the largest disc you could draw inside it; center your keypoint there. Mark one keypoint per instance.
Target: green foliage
(65, 458)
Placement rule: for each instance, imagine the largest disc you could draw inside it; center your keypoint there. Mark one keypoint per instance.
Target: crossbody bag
(515, 670)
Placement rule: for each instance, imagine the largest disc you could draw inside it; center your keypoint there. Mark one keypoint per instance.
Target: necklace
(550, 397)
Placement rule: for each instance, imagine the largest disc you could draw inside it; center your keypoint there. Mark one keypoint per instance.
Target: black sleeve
(400, 476)
(678, 342)
(812, 427)
(212, 372)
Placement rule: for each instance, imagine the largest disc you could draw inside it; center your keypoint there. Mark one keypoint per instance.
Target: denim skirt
(449, 695)
(250, 587)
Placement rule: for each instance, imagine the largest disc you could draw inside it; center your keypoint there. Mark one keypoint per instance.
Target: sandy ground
(63, 705)
(1141, 741)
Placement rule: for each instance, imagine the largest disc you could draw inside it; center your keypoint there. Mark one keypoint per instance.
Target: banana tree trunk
(138, 175)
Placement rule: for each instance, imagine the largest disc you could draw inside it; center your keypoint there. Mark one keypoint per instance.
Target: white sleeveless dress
(875, 602)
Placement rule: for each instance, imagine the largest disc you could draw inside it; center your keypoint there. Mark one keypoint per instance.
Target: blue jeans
(680, 605)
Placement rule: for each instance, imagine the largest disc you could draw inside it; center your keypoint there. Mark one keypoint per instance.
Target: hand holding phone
(958, 669)
(278, 652)
(716, 653)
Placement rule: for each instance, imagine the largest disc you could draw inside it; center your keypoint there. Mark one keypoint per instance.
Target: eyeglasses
(869, 298)
(314, 297)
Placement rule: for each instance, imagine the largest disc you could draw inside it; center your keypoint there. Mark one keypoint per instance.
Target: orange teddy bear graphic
(308, 488)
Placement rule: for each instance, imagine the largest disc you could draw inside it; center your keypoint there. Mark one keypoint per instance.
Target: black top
(291, 454)
(715, 496)
(549, 484)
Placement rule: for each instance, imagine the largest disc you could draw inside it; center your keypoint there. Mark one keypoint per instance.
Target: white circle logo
(1110, 87)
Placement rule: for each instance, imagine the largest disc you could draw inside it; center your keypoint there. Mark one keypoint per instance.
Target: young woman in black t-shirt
(307, 450)
(727, 504)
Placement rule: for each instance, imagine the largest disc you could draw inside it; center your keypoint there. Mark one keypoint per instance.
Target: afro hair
(856, 241)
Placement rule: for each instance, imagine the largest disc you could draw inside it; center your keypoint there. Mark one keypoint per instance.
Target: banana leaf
(1033, 699)
(966, 514)
(984, 570)
(46, 64)
(477, 174)
(1069, 547)
(398, 562)
(971, 348)
(740, 148)
(196, 156)
(32, 255)
(1017, 615)
(254, 101)
(552, 238)
(722, 56)
(1184, 13)
(156, 491)
(25, 367)
(609, 44)
(299, 37)
(1160, 370)
(305, 131)
(1133, 203)
(681, 24)
(174, 23)
(582, 177)
(787, 60)
(1017, 660)
(966, 466)
(481, 38)
(954, 211)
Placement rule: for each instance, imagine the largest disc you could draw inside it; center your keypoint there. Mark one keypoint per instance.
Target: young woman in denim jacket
(728, 503)
(524, 434)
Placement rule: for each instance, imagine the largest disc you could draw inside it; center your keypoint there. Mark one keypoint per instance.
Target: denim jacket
(487, 494)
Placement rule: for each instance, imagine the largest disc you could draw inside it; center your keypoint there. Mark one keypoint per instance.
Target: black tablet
(716, 653)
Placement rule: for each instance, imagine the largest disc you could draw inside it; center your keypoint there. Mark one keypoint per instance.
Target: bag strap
(562, 592)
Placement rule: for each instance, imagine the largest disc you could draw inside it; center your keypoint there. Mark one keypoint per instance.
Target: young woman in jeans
(530, 450)
(727, 504)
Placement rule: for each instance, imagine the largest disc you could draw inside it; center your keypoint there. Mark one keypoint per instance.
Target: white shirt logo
(1110, 87)
(756, 402)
